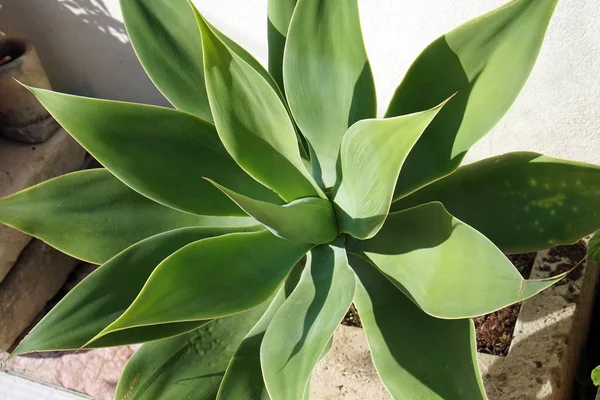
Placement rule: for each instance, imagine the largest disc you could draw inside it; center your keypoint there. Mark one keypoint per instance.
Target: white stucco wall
(85, 50)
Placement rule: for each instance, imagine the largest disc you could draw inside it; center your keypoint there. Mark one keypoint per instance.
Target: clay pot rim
(24, 48)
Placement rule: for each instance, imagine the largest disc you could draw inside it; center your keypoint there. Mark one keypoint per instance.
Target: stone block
(24, 165)
(39, 273)
(549, 334)
(93, 372)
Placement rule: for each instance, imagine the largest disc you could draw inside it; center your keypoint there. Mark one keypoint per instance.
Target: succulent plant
(204, 213)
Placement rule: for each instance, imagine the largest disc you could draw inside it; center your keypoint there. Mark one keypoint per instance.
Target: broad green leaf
(239, 51)
(189, 366)
(303, 326)
(327, 76)
(522, 202)
(486, 61)
(93, 216)
(243, 379)
(161, 153)
(104, 295)
(279, 15)
(594, 247)
(165, 37)
(446, 267)
(371, 156)
(166, 40)
(307, 220)
(596, 376)
(212, 278)
(252, 121)
(416, 356)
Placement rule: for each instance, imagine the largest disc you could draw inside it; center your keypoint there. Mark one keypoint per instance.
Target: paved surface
(13, 387)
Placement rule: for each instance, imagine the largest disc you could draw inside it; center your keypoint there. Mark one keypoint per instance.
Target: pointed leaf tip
(482, 279)
(372, 154)
(189, 284)
(487, 60)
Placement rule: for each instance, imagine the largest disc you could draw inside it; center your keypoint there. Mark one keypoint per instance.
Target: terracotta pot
(22, 117)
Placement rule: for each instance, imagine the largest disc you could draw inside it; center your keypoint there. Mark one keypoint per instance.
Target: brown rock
(22, 166)
(34, 280)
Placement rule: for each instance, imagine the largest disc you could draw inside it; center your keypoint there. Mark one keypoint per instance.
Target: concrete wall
(85, 49)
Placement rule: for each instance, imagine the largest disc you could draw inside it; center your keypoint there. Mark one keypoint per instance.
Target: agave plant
(204, 213)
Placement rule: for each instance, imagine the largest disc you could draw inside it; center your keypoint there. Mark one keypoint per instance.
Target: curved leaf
(371, 156)
(189, 366)
(486, 61)
(303, 326)
(522, 202)
(594, 247)
(243, 378)
(446, 267)
(144, 334)
(93, 216)
(416, 356)
(328, 79)
(252, 121)
(212, 278)
(164, 154)
(166, 40)
(279, 15)
(307, 220)
(106, 293)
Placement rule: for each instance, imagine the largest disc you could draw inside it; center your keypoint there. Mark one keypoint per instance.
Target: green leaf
(104, 295)
(189, 366)
(596, 376)
(244, 55)
(416, 356)
(161, 153)
(307, 220)
(371, 156)
(486, 61)
(166, 40)
(93, 216)
(446, 267)
(303, 326)
(243, 379)
(279, 15)
(328, 79)
(212, 278)
(252, 121)
(522, 202)
(143, 334)
(594, 247)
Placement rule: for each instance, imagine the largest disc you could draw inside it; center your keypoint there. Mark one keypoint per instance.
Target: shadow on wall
(84, 48)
